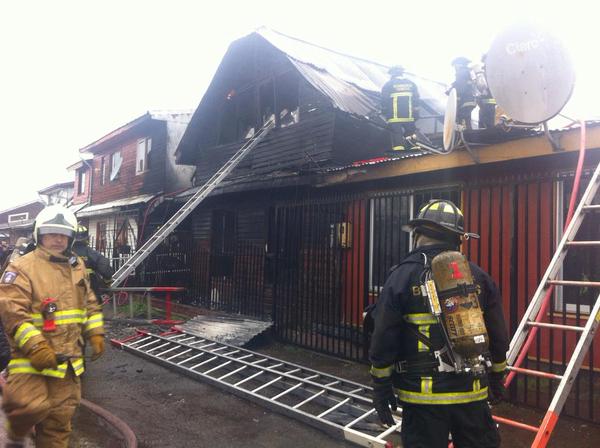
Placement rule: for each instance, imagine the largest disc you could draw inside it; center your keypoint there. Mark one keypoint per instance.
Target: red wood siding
(83, 197)
(128, 184)
(526, 213)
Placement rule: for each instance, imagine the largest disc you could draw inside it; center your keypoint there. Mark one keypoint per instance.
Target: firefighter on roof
(47, 308)
(416, 352)
(465, 91)
(400, 106)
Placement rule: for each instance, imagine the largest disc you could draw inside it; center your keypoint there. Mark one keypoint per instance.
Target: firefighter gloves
(384, 399)
(496, 391)
(97, 343)
(42, 357)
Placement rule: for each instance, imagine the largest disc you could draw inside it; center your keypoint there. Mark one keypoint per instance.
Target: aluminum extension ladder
(532, 320)
(339, 407)
(165, 230)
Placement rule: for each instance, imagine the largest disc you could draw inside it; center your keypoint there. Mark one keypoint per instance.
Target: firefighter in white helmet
(441, 380)
(47, 308)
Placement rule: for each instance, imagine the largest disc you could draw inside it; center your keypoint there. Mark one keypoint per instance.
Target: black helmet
(461, 61)
(396, 70)
(82, 233)
(442, 216)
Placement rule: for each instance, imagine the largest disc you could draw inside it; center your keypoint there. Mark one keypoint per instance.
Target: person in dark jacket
(465, 91)
(97, 265)
(435, 402)
(400, 107)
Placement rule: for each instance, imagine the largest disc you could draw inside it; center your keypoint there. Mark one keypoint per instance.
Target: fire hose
(122, 428)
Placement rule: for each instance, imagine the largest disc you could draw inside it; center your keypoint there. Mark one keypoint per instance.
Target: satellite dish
(450, 121)
(529, 73)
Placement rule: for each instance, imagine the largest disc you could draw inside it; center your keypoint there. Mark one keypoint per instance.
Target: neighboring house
(131, 168)
(60, 193)
(82, 173)
(18, 221)
(306, 229)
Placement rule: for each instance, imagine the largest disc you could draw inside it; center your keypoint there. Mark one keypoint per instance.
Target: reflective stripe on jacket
(402, 313)
(38, 276)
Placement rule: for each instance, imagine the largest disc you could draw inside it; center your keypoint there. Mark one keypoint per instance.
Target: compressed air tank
(459, 302)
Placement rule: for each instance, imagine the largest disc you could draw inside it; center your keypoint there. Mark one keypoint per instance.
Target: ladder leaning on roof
(165, 230)
(532, 320)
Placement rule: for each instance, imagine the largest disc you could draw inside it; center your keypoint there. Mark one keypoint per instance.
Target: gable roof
(352, 84)
(122, 130)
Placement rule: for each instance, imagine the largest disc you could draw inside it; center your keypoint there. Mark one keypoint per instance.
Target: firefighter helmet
(82, 233)
(55, 219)
(461, 61)
(440, 215)
(396, 70)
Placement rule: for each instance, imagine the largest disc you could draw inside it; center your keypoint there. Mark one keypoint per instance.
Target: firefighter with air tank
(439, 339)
(47, 308)
(400, 106)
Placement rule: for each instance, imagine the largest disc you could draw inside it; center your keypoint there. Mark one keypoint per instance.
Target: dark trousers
(398, 132)
(428, 426)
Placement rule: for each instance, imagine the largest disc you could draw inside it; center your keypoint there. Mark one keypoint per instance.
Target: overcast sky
(72, 71)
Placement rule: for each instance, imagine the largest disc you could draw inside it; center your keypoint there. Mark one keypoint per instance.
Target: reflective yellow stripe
(381, 372)
(499, 366)
(74, 316)
(488, 101)
(23, 365)
(395, 118)
(94, 321)
(24, 333)
(476, 385)
(442, 398)
(78, 366)
(424, 330)
(426, 384)
(420, 318)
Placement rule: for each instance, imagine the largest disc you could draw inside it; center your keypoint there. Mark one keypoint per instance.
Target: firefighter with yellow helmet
(439, 339)
(47, 308)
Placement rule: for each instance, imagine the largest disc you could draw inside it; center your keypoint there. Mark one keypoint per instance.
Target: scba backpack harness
(452, 298)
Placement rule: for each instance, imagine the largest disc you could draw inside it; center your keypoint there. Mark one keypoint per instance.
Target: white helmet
(55, 219)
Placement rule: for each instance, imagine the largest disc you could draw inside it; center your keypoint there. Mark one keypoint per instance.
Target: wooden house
(305, 230)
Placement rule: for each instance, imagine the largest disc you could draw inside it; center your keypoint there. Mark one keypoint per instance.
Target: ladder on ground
(339, 407)
(532, 320)
(167, 228)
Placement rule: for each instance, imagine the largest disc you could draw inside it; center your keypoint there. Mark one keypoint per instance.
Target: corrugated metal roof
(233, 330)
(352, 83)
(109, 207)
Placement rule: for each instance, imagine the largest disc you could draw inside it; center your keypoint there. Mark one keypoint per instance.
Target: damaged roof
(353, 84)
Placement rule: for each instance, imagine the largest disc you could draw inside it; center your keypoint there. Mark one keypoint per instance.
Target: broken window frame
(81, 179)
(142, 155)
(116, 162)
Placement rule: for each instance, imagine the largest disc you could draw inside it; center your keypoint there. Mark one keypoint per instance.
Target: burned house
(306, 228)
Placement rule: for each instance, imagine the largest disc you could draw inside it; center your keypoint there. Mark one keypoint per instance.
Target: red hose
(126, 433)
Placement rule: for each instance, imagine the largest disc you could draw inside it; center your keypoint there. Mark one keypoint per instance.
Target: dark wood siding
(129, 184)
(304, 144)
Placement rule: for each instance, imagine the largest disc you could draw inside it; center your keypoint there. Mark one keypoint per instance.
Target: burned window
(222, 243)
(246, 115)
(266, 99)
(227, 123)
(286, 94)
